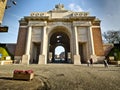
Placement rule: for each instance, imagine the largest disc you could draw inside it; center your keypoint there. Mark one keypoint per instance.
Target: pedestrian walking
(105, 63)
(91, 61)
(88, 62)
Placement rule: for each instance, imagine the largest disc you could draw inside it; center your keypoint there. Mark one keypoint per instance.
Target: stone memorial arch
(41, 32)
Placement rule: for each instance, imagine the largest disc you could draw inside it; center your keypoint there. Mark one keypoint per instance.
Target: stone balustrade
(76, 14)
(38, 14)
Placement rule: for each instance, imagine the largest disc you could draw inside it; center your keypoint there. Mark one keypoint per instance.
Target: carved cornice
(41, 18)
(96, 22)
(80, 14)
(81, 23)
(39, 23)
(23, 27)
(38, 14)
(92, 19)
(88, 18)
(58, 11)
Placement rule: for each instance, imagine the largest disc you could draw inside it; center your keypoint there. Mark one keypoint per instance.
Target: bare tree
(112, 36)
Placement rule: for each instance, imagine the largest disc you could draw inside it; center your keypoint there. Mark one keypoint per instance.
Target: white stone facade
(42, 28)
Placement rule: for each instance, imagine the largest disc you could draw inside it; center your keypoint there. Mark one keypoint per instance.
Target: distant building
(62, 55)
(41, 32)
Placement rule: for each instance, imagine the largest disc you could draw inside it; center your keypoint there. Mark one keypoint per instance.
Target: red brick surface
(98, 45)
(21, 42)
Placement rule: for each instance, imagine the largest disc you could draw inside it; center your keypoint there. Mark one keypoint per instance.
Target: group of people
(90, 62)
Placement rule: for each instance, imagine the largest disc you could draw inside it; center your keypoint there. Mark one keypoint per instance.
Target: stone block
(77, 60)
(42, 59)
(25, 59)
(8, 58)
(5, 62)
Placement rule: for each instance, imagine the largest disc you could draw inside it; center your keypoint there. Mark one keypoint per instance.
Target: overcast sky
(108, 11)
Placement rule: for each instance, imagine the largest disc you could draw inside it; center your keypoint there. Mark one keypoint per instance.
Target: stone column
(26, 56)
(43, 56)
(76, 41)
(92, 42)
(44, 41)
(93, 56)
(27, 52)
(76, 55)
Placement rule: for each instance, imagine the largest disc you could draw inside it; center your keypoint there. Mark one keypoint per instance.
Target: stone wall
(82, 34)
(21, 42)
(37, 34)
(98, 44)
(79, 27)
(11, 48)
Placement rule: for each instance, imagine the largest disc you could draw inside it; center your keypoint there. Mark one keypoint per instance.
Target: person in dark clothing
(91, 61)
(105, 63)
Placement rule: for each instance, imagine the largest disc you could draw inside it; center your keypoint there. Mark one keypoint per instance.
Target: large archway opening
(59, 41)
(59, 54)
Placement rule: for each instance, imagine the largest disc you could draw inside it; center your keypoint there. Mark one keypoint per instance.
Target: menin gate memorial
(41, 32)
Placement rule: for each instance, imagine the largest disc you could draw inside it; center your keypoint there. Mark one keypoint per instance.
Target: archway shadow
(61, 62)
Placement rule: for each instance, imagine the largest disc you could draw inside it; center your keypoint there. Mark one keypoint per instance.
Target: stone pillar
(44, 41)
(26, 56)
(93, 56)
(76, 41)
(92, 42)
(43, 56)
(76, 55)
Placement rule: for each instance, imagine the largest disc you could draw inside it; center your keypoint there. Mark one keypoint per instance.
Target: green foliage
(111, 36)
(118, 56)
(116, 53)
(3, 52)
